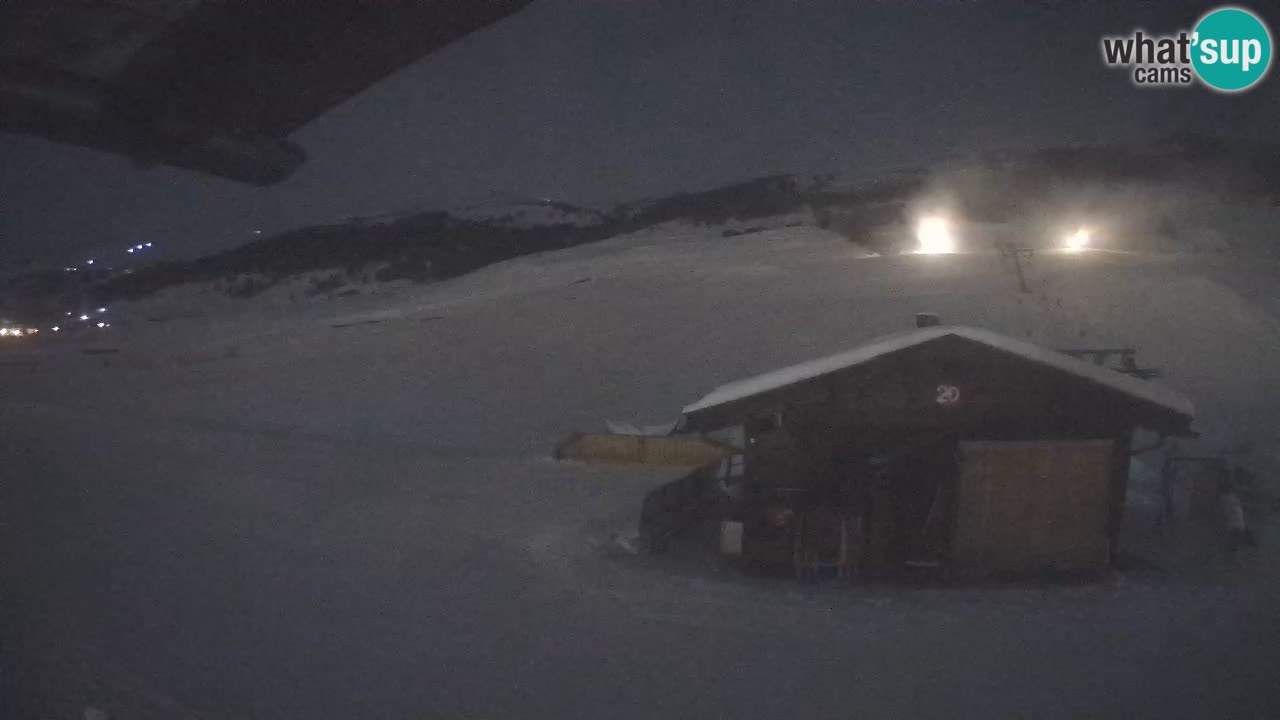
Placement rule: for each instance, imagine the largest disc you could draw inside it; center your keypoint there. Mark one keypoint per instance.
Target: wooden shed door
(1032, 506)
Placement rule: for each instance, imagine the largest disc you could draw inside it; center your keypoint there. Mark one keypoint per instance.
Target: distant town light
(55, 328)
(88, 262)
(84, 317)
(101, 324)
(148, 244)
(102, 309)
(130, 250)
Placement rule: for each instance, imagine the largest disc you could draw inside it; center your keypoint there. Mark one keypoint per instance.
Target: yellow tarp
(641, 449)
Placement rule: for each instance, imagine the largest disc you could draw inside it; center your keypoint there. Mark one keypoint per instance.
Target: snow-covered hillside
(637, 325)
(531, 214)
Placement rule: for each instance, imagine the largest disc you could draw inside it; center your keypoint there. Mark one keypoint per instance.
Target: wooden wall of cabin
(1121, 459)
(911, 514)
(1028, 507)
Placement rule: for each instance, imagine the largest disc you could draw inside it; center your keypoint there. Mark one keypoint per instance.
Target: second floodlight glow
(935, 236)
(1078, 240)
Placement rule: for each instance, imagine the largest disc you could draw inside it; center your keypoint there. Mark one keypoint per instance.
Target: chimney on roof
(925, 319)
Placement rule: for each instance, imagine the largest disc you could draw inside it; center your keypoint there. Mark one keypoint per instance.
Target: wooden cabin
(947, 448)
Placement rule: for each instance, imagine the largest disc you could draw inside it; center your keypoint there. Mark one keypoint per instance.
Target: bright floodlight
(934, 236)
(4, 331)
(88, 262)
(131, 249)
(84, 317)
(148, 244)
(102, 309)
(55, 328)
(102, 324)
(1078, 240)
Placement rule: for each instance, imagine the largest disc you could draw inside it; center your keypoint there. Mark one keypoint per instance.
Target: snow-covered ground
(344, 507)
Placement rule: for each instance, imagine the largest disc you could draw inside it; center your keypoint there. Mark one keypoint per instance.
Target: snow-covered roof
(1129, 385)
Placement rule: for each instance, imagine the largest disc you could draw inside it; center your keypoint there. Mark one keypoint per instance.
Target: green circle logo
(1231, 49)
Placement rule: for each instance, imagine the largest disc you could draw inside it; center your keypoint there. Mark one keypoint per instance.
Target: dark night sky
(599, 101)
